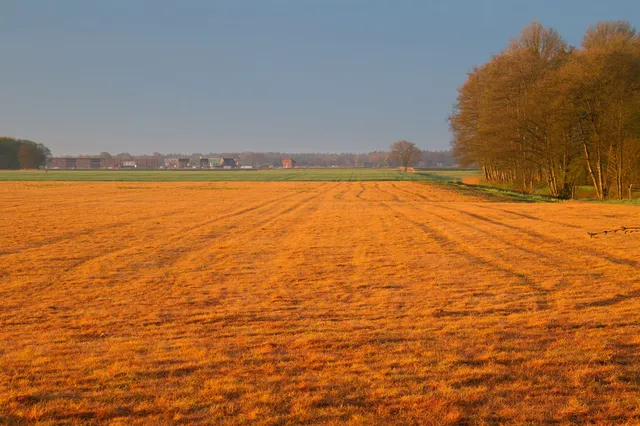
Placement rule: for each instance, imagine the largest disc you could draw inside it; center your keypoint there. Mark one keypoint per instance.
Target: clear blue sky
(265, 75)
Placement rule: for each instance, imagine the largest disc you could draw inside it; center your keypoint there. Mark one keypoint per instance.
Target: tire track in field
(571, 263)
(240, 271)
(436, 299)
(381, 268)
(447, 242)
(319, 266)
(444, 195)
(340, 195)
(173, 249)
(184, 232)
(74, 234)
(530, 217)
(536, 235)
(88, 232)
(555, 261)
(393, 196)
(176, 236)
(290, 226)
(552, 240)
(551, 261)
(354, 191)
(439, 194)
(394, 186)
(271, 219)
(542, 262)
(234, 214)
(369, 193)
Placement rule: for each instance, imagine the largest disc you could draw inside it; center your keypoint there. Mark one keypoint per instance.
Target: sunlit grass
(317, 302)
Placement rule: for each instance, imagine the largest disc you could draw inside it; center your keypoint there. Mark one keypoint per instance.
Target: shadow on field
(618, 298)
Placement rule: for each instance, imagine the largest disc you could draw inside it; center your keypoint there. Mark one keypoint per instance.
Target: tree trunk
(597, 187)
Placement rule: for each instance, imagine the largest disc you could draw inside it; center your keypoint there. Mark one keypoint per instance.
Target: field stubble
(333, 302)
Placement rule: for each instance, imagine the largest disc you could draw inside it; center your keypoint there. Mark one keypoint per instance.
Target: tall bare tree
(405, 153)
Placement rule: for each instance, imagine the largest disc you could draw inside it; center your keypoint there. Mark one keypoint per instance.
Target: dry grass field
(318, 303)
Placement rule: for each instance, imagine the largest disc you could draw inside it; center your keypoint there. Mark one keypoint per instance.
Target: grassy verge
(454, 181)
(499, 194)
(451, 175)
(632, 202)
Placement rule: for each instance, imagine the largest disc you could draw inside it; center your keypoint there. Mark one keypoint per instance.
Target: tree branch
(623, 229)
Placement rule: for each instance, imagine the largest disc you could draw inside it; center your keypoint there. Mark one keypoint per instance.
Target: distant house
(176, 163)
(204, 163)
(288, 163)
(229, 163)
(110, 163)
(63, 163)
(147, 162)
(128, 164)
(171, 163)
(94, 163)
(72, 163)
(214, 162)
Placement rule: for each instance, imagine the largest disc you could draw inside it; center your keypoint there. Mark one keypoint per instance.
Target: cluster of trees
(543, 113)
(22, 154)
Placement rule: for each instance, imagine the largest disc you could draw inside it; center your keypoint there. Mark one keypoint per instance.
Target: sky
(85, 76)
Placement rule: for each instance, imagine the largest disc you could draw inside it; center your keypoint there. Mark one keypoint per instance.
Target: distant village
(157, 162)
(245, 160)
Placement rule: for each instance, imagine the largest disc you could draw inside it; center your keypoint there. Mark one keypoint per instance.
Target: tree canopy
(543, 113)
(405, 153)
(22, 154)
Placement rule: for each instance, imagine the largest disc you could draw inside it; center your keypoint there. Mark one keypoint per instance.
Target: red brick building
(81, 163)
(288, 163)
(147, 162)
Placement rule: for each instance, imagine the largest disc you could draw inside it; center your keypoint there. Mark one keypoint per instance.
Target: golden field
(317, 303)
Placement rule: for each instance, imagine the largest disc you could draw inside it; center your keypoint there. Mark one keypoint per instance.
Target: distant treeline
(371, 159)
(22, 154)
(543, 113)
(35, 155)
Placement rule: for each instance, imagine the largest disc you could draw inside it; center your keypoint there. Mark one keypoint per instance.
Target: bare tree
(405, 152)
